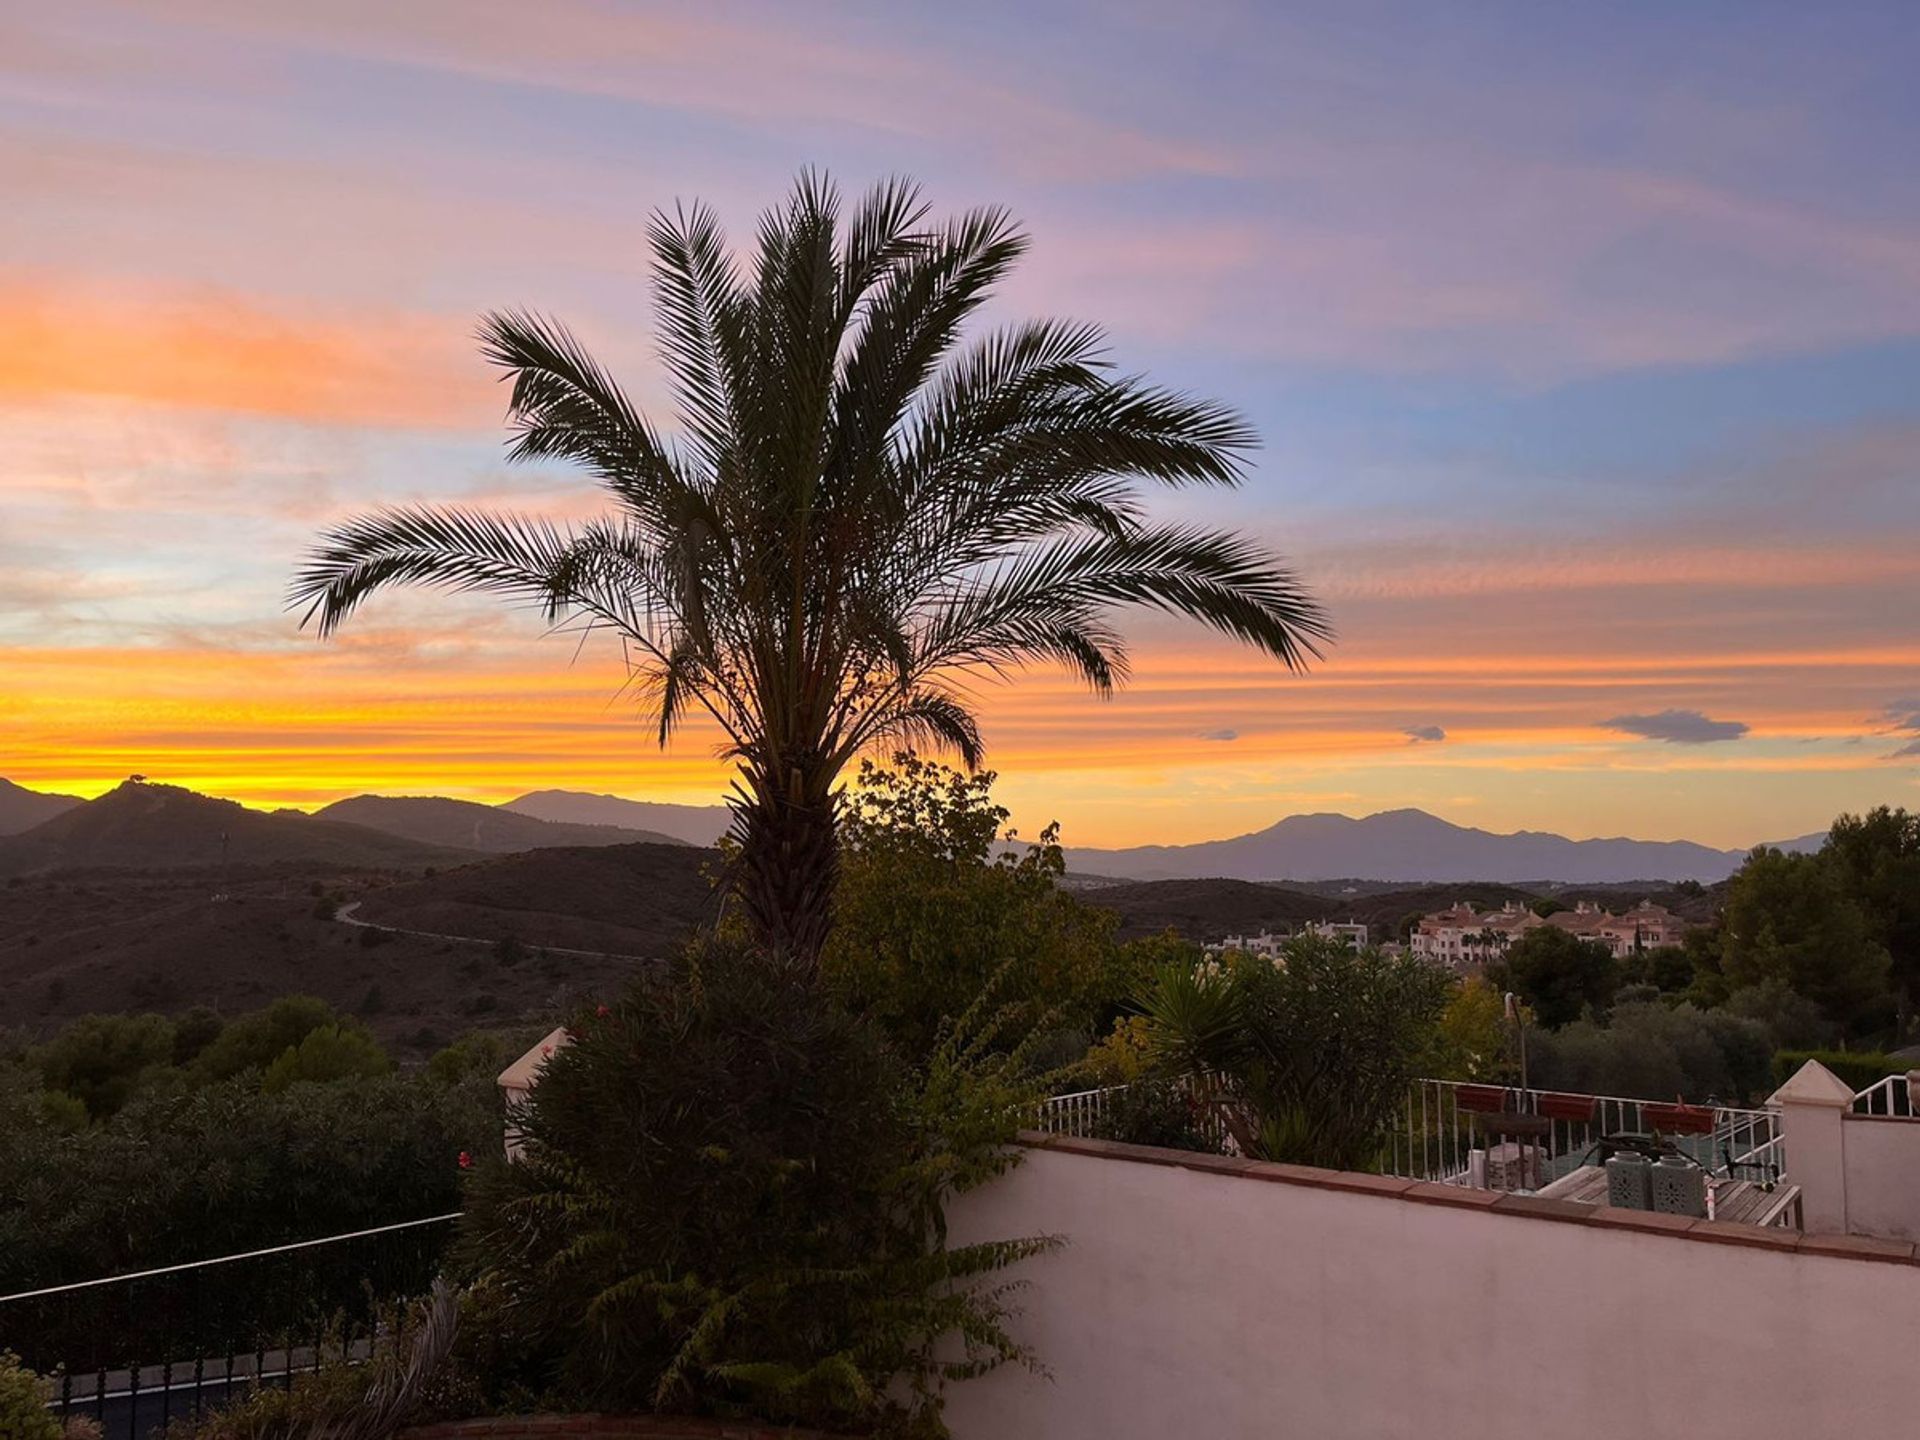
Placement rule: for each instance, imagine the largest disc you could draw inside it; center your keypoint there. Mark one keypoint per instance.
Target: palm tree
(859, 512)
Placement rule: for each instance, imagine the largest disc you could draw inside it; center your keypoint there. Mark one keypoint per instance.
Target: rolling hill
(1211, 910)
(22, 809)
(116, 940)
(140, 826)
(695, 824)
(635, 900)
(1411, 846)
(462, 824)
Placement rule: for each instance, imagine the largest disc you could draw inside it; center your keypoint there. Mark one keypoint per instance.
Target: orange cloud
(214, 351)
(482, 712)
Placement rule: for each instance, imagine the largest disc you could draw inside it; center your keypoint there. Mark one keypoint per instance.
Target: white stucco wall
(1219, 1306)
(1883, 1176)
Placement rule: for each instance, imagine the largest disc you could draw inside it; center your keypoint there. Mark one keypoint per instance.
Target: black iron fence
(138, 1351)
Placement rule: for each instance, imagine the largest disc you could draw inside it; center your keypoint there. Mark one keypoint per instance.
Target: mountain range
(144, 825)
(141, 826)
(22, 809)
(465, 825)
(1411, 845)
(695, 824)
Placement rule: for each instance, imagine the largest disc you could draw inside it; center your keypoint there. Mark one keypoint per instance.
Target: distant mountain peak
(22, 809)
(437, 820)
(1416, 847)
(141, 825)
(695, 824)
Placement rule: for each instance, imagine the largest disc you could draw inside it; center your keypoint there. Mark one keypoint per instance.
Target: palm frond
(448, 548)
(930, 719)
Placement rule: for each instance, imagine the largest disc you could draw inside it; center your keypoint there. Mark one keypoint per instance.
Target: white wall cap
(524, 1073)
(1814, 1084)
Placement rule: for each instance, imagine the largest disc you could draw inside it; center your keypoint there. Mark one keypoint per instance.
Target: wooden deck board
(1740, 1201)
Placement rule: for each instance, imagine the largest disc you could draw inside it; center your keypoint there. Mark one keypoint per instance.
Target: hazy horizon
(1581, 345)
(1026, 829)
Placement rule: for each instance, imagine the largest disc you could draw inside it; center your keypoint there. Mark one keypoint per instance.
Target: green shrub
(1859, 1068)
(327, 1054)
(478, 1053)
(67, 1114)
(193, 1032)
(256, 1040)
(1794, 1022)
(183, 1175)
(1649, 1050)
(732, 1202)
(23, 1403)
(1156, 1111)
(101, 1060)
(1474, 1039)
(1307, 1060)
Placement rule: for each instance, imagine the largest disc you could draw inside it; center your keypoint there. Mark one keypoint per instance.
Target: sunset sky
(1583, 342)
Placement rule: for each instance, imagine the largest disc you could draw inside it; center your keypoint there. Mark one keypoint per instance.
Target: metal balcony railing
(1506, 1138)
(1548, 1133)
(1885, 1097)
(140, 1351)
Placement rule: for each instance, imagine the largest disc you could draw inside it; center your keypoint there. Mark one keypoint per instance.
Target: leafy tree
(481, 1054)
(732, 1201)
(930, 916)
(1122, 1056)
(1878, 858)
(860, 513)
(1306, 1060)
(1473, 1038)
(178, 1175)
(1652, 1051)
(256, 1040)
(1859, 1068)
(1546, 905)
(1558, 974)
(325, 1055)
(1668, 969)
(101, 1060)
(1794, 1022)
(1789, 918)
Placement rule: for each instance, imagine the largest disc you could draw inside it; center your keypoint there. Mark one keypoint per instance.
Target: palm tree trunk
(787, 866)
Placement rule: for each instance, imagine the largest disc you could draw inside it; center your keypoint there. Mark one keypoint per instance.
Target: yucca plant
(856, 511)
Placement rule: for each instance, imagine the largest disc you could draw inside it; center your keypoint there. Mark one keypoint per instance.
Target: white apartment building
(1463, 938)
